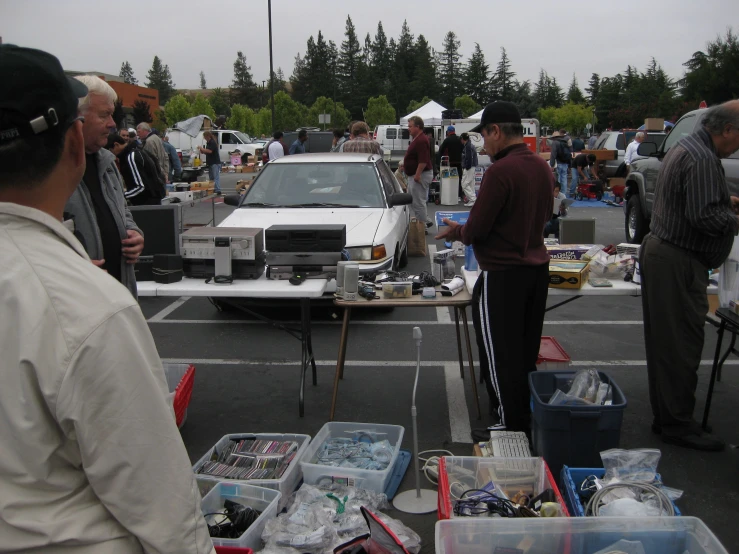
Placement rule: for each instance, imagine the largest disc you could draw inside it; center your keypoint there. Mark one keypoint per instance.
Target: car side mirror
(232, 199)
(399, 199)
(647, 149)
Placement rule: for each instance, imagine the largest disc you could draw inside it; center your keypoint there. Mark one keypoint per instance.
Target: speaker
(576, 231)
(340, 278)
(351, 280)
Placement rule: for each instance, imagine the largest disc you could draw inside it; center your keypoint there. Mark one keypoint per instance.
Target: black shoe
(657, 428)
(429, 224)
(696, 441)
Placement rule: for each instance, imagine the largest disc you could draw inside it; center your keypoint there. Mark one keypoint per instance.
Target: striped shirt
(692, 207)
(363, 145)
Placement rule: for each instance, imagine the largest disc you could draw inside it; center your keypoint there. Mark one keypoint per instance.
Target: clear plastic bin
(530, 475)
(397, 290)
(373, 480)
(577, 535)
(259, 498)
(552, 357)
(285, 484)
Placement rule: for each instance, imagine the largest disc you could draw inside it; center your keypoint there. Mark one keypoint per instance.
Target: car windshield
(244, 138)
(317, 184)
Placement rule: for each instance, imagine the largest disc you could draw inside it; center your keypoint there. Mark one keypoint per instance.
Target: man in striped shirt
(361, 142)
(693, 226)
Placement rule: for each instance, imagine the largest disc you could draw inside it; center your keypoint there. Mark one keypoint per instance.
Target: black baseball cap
(498, 112)
(35, 94)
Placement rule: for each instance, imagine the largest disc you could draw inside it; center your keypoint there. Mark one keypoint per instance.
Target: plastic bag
(585, 385)
(728, 277)
(560, 398)
(639, 464)
(627, 547)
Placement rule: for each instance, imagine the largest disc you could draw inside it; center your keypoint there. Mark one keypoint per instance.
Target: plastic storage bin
(180, 380)
(577, 535)
(233, 550)
(259, 498)
(397, 290)
(285, 484)
(570, 479)
(572, 435)
(473, 472)
(552, 356)
(373, 480)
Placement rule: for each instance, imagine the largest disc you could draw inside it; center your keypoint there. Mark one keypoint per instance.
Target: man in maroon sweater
(505, 228)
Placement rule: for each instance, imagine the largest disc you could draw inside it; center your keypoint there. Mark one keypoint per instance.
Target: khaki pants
(468, 184)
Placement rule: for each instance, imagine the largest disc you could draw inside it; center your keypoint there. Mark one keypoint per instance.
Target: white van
(228, 141)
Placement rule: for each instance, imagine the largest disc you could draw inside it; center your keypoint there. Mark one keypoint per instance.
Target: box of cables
(268, 460)
(469, 484)
(355, 454)
(233, 508)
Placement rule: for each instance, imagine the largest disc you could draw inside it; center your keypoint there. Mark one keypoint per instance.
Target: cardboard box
(602, 155)
(248, 169)
(242, 185)
(654, 124)
(568, 275)
(568, 252)
(239, 169)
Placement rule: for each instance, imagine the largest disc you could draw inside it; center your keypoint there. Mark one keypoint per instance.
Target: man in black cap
(91, 460)
(505, 228)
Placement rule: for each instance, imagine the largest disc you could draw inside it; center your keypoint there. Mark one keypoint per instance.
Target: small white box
(184, 196)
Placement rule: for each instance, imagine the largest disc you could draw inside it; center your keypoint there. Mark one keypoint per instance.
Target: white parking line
(459, 415)
(169, 309)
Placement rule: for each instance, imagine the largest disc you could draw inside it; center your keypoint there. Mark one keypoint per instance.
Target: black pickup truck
(640, 183)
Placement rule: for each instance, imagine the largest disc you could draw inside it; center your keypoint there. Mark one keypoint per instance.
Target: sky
(563, 38)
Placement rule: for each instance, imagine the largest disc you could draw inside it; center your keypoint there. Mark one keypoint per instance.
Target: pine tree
(403, 68)
(118, 114)
(141, 112)
(127, 74)
(219, 101)
(348, 67)
(477, 77)
(424, 77)
(555, 96)
(541, 90)
(524, 100)
(574, 94)
(160, 78)
(202, 81)
(504, 77)
(380, 61)
(243, 89)
(593, 89)
(450, 69)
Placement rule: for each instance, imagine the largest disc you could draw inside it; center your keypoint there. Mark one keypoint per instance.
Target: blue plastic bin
(572, 435)
(569, 483)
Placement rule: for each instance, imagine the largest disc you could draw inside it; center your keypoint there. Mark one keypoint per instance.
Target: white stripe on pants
(489, 349)
(468, 184)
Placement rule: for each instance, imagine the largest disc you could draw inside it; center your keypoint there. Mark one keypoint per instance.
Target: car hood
(361, 223)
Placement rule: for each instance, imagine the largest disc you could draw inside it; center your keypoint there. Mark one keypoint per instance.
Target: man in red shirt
(505, 228)
(418, 168)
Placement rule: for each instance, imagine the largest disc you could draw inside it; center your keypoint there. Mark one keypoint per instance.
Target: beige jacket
(154, 146)
(91, 460)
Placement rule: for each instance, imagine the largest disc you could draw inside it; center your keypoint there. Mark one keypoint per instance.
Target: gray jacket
(80, 206)
(155, 147)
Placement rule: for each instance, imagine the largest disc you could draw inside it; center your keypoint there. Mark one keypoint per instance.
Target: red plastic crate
(552, 356)
(445, 505)
(233, 550)
(180, 380)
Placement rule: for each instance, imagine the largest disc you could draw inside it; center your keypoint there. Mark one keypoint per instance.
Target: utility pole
(271, 70)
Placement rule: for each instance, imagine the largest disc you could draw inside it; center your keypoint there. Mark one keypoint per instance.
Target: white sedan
(357, 190)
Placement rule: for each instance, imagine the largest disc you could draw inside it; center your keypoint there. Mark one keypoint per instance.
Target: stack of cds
(247, 459)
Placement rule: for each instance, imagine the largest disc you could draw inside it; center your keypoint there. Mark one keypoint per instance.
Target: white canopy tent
(477, 116)
(430, 113)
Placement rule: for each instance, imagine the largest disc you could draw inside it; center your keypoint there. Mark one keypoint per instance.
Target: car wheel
(637, 225)
(403, 261)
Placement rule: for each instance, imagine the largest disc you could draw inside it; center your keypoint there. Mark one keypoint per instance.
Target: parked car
(641, 181)
(357, 190)
(619, 140)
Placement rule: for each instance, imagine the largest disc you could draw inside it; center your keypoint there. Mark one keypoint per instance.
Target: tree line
(384, 78)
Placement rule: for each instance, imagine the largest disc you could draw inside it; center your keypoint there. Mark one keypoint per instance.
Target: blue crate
(569, 482)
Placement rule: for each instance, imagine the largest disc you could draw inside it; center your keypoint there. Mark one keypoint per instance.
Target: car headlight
(367, 253)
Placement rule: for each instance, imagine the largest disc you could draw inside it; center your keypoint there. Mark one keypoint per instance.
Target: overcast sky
(562, 37)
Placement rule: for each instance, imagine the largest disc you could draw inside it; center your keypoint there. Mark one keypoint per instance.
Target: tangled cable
(237, 519)
(595, 503)
(484, 502)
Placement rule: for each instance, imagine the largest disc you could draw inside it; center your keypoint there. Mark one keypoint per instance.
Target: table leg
(725, 356)
(459, 341)
(472, 363)
(308, 335)
(714, 370)
(340, 360)
(306, 356)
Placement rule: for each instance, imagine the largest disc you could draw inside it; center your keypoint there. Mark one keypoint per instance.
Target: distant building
(127, 94)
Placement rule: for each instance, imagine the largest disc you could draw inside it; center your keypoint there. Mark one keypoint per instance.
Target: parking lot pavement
(247, 381)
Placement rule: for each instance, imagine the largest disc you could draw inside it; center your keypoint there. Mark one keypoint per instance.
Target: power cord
(595, 503)
(431, 464)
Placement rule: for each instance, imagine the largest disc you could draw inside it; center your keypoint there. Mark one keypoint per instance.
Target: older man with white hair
(632, 148)
(101, 219)
(154, 147)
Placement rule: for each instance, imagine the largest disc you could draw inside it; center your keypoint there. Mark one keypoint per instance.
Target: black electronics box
(167, 268)
(305, 238)
(143, 269)
(241, 269)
